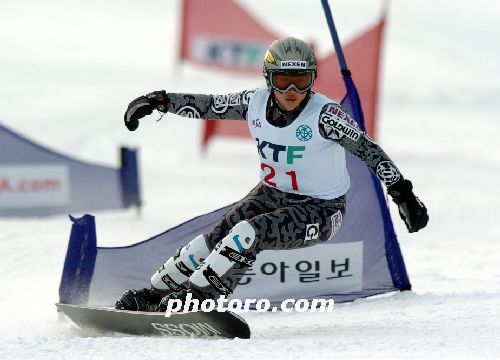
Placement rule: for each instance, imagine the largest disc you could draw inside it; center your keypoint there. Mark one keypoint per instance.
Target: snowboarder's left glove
(411, 209)
(144, 105)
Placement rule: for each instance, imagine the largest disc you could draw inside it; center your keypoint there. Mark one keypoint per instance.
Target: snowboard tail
(191, 324)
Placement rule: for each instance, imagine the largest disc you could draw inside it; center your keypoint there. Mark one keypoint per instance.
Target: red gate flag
(363, 57)
(220, 33)
(230, 39)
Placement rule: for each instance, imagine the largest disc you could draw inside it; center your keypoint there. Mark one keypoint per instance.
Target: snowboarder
(301, 138)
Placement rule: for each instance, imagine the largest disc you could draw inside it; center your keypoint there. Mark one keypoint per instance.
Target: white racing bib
(296, 158)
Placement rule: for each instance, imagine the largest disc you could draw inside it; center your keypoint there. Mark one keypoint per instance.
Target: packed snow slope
(67, 72)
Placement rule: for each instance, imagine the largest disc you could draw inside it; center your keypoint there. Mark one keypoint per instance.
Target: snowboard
(192, 324)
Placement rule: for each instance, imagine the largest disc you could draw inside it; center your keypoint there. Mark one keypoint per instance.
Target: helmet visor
(285, 81)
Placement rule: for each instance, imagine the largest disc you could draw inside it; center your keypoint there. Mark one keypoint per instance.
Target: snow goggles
(285, 81)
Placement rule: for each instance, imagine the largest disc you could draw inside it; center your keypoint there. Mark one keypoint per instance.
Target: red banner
(220, 33)
(362, 56)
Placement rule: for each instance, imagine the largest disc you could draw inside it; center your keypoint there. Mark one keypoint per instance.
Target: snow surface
(67, 72)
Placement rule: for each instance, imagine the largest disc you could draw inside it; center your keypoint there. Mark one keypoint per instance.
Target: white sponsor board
(24, 186)
(317, 270)
(246, 55)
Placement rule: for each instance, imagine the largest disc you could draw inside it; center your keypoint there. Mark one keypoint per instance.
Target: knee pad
(232, 250)
(177, 269)
(243, 236)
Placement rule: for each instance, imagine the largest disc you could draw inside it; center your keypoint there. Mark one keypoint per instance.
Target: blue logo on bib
(304, 133)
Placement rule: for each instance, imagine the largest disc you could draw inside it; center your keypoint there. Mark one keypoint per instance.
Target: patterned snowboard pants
(266, 219)
(280, 220)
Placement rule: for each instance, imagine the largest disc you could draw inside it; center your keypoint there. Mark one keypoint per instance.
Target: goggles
(285, 81)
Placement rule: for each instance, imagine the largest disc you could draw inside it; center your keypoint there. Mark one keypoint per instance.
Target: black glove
(144, 105)
(411, 209)
(140, 300)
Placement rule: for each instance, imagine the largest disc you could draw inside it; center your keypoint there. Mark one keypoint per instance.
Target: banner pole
(346, 73)
(334, 35)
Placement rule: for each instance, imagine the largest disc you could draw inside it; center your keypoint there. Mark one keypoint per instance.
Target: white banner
(24, 186)
(304, 273)
(238, 53)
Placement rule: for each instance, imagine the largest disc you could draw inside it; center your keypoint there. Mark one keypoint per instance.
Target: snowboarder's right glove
(144, 105)
(140, 300)
(411, 209)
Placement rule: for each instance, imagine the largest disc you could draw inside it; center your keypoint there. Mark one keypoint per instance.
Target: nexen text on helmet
(293, 64)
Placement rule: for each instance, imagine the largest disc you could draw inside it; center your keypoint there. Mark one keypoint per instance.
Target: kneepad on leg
(176, 271)
(231, 251)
